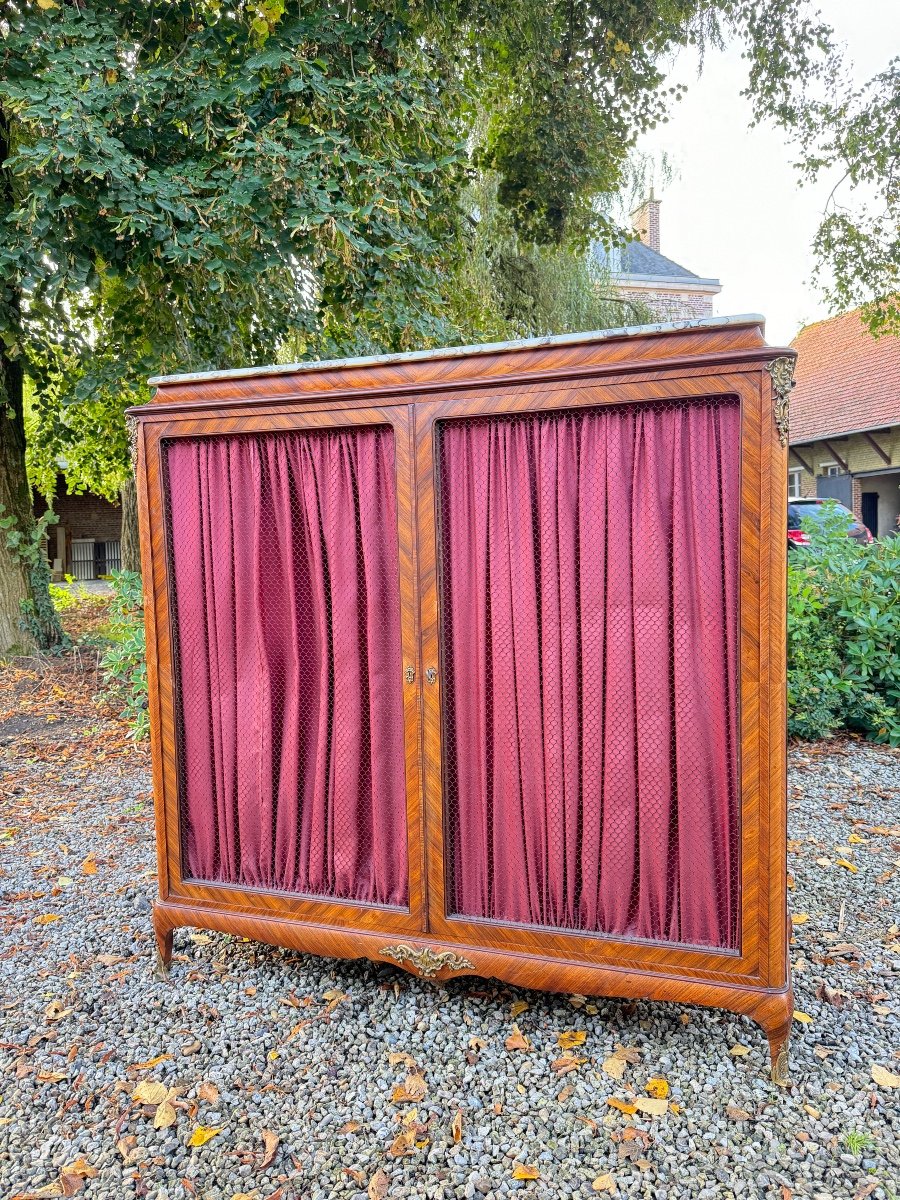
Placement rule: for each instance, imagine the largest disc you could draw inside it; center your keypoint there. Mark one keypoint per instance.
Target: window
(829, 468)
(794, 483)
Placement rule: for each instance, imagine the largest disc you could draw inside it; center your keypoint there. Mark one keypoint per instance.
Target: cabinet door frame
(162, 672)
(759, 959)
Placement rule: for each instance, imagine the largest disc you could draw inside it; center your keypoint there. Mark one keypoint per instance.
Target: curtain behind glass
(286, 575)
(589, 631)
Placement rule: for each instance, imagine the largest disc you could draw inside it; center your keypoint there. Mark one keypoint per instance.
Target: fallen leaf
(403, 1143)
(604, 1183)
(885, 1078)
(849, 866)
(568, 1062)
(400, 1056)
(165, 1115)
(270, 1142)
(350, 1127)
(55, 1011)
(658, 1088)
(855, 840)
(208, 1092)
(802, 1017)
(456, 1126)
(46, 918)
(89, 867)
(571, 1038)
(148, 1091)
(830, 995)
(129, 1149)
(614, 1066)
(737, 1114)
(517, 1040)
(203, 1134)
(378, 1186)
(517, 1008)
(411, 1090)
(652, 1105)
(812, 1112)
(622, 1106)
(525, 1171)
(50, 1076)
(151, 1062)
(739, 1051)
(799, 918)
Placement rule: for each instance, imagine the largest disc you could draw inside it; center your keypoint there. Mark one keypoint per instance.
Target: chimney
(646, 222)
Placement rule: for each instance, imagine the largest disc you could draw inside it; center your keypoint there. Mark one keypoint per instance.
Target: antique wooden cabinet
(473, 660)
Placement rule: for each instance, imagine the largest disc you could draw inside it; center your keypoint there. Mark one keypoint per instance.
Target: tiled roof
(846, 380)
(635, 258)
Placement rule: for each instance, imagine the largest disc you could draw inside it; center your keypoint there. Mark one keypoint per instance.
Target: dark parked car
(800, 509)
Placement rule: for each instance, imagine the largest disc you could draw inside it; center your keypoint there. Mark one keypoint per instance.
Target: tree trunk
(131, 549)
(28, 619)
(15, 503)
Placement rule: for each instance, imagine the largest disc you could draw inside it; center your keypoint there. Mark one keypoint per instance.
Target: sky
(735, 210)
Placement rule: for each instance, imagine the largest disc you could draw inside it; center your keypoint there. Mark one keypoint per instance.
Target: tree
(201, 183)
(855, 132)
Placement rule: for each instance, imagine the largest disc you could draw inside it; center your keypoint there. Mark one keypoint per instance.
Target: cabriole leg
(164, 938)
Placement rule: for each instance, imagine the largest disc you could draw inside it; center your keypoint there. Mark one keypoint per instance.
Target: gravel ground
(294, 1060)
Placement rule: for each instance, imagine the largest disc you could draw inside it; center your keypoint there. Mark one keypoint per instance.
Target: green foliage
(843, 635)
(124, 664)
(854, 135)
(65, 598)
(505, 287)
(38, 616)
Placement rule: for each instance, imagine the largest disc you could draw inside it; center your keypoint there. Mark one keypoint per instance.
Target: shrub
(124, 664)
(843, 635)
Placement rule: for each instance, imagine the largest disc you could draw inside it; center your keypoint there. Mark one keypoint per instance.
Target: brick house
(87, 539)
(845, 419)
(640, 272)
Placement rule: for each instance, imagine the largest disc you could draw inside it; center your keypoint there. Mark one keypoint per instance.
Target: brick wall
(671, 304)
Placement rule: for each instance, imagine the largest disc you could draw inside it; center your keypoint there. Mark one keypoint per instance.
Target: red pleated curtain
(284, 555)
(589, 608)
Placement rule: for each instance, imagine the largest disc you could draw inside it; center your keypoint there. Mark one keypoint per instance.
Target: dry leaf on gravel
(150, 1063)
(208, 1092)
(622, 1106)
(604, 1183)
(378, 1186)
(148, 1091)
(350, 1127)
(412, 1089)
(799, 918)
(55, 1011)
(89, 866)
(568, 1062)
(403, 1143)
(653, 1106)
(129, 1149)
(517, 1008)
(517, 1040)
(737, 1114)
(456, 1126)
(203, 1134)
(739, 1051)
(400, 1056)
(571, 1038)
(658, 1088)
(885, 1078)
(165, 1115)
(46, 918)
(270, 1142)
(802, 1017)
(525, 1171)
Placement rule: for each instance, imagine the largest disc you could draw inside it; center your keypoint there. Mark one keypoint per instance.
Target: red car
(798, 510)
